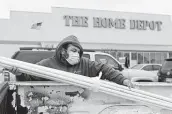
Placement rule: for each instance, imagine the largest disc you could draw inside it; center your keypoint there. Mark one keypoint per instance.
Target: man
(68, 57)
(127, 62)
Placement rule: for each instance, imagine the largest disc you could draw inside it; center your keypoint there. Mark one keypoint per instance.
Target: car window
(138, 66)
(148, 68)
(167, 65)
(86, 56)
(106, 59)
(156, 67)
(32, 56)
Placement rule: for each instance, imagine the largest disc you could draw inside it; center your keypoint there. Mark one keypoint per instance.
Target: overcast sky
(141, 6)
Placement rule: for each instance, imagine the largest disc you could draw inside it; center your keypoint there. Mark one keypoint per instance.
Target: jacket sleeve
(108, 72)
(35, 78)
(27, 77)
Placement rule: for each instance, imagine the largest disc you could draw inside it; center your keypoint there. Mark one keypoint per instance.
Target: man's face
(73, 54)
(73, 48)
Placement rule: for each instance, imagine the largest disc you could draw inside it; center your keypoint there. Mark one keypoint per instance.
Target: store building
(143, 38)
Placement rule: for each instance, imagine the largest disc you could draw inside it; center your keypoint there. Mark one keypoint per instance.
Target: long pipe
(110, 84)
(86, 82)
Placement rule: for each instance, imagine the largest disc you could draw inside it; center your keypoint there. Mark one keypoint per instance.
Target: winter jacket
(85, 67)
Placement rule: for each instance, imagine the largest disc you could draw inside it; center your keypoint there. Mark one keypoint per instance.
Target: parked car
(147, 67)
(165, 72)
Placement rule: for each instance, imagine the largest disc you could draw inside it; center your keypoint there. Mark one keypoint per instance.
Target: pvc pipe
(85, 82)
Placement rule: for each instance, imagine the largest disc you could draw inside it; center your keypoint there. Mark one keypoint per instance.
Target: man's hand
(15, 71)
(128, 83)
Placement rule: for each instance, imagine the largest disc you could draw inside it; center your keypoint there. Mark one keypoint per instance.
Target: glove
(15, 71)
(128, 83)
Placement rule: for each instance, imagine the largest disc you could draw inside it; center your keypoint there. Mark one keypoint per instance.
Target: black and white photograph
(85, 57)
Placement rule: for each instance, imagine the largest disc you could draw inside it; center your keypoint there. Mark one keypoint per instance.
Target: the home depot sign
(99, 22)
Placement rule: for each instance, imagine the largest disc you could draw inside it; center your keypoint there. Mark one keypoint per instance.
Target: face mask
(73, 58)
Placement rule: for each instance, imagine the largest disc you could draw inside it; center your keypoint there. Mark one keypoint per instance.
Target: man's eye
(73, 50)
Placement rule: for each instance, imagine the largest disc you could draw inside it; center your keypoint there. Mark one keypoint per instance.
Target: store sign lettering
(98, 22)
(78, 21)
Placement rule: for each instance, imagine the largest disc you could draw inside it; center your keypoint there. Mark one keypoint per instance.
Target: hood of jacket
(68, 40)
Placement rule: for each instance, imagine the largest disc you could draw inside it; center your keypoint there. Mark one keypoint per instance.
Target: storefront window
(158, 58)
(140, 58)
(146, 57)
(126, 54)
(119, 54)
(152, 57)
(170, 54)
(134, 56)
(114, 54)
(163, 56)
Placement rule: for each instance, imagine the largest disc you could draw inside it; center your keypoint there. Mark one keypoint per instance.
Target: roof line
(53, 42)
(112, 11)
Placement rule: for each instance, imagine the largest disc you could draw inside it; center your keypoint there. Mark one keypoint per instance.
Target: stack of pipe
(89, 83)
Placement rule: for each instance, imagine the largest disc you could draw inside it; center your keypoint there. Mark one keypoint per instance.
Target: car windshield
(167, 65)
(138, 66)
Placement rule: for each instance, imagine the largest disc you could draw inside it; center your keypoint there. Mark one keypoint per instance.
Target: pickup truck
(133, 74)
(34, 55)
(58, 98)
